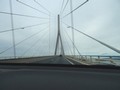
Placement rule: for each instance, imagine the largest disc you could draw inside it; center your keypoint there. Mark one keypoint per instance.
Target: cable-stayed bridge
(59, 54)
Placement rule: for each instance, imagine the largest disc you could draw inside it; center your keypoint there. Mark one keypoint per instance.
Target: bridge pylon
(59, 40)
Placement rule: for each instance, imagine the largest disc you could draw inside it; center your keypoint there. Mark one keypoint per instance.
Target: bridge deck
(42, 60)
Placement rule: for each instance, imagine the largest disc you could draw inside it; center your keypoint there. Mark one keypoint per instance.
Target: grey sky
(98, 18)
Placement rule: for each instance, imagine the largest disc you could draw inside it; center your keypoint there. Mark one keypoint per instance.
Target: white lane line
(78, 61)
(69, 61)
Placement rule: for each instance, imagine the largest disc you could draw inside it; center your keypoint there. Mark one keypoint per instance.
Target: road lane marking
(78, 61)
(69, 61)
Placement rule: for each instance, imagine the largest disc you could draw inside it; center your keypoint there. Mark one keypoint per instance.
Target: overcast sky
(98, 18)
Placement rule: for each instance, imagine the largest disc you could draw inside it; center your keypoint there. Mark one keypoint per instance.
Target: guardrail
(97, 59)
(19, 57)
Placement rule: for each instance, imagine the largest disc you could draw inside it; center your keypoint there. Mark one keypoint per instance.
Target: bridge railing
(97, 59)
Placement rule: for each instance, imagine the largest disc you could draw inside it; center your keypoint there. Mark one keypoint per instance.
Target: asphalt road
(54, 60)
(43, 60)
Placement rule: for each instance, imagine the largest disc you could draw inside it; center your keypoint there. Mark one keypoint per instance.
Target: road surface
(42, 60)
